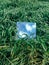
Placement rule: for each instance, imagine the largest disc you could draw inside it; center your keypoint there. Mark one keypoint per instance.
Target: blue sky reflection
(28, 28)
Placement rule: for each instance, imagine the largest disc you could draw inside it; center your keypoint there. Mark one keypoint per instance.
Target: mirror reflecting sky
(26, 28)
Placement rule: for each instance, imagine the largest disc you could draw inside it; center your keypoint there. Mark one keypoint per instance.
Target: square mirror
(26, 29)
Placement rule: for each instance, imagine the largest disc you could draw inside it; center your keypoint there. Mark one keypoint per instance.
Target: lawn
(24, 51)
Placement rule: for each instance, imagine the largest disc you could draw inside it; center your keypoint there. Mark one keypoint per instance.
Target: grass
(24, 51)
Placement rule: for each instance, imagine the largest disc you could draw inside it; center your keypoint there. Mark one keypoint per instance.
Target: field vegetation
(24, 51)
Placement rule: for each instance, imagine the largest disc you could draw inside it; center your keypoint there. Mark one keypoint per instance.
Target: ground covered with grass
(24, 51)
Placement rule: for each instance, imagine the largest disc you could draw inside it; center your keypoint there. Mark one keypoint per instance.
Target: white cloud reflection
(29, 27)
(34, 26)
(22, 34)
